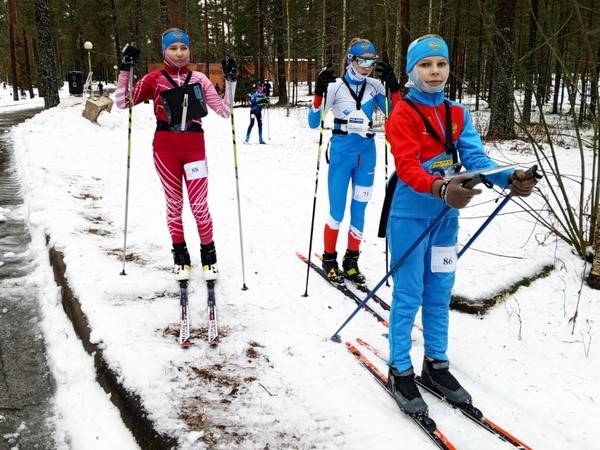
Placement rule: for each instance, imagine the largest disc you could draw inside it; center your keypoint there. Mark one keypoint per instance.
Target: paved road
(26, 385)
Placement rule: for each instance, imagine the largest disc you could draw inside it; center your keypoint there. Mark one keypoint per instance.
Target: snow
(276, 380)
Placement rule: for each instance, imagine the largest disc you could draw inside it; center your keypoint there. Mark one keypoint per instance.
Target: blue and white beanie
(173, 37)
(359, 49)
(424, 47)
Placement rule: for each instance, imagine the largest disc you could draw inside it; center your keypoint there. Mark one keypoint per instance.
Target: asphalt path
(26, 385)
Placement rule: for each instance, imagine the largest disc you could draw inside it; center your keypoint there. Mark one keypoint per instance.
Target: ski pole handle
(533, 171)
(474, 181)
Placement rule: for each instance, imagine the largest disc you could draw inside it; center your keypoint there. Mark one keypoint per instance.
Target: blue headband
(173, 37)
(424, 48)
(360, 48)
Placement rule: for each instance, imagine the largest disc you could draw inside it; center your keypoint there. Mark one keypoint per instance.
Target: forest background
(512, 56)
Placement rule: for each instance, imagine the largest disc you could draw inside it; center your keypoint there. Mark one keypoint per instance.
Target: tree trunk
(455, 57)
(113, 13)
(531, 74)
(177, 16)
(47, 66)
(279, 33)
(502, 102)
(164, 14)
(593, 279)
(13, 54)
(206, 40)
(481, 73)
(261, 41)
(311, 55)
(558, 73)
(403, 25)
(28, 70)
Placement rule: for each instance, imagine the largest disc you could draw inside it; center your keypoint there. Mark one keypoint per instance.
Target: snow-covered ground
(276, 380)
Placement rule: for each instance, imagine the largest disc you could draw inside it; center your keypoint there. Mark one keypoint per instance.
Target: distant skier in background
(257, 100)
(267, 85)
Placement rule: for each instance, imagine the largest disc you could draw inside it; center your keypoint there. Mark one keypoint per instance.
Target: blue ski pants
(359, 169)
(424, 280)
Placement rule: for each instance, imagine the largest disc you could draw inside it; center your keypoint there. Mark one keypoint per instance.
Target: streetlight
(88, 46)
(116, 73)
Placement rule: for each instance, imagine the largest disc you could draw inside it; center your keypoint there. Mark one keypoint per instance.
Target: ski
(425, 422)
(184, 319)
(477, 416)
(468, 410)
(365, 289)
(213, 333)
(343, 289)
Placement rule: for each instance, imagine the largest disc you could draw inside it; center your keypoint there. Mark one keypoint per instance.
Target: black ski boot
(181, 261)
(208, 254)
(403, 387)
(331, 268)
(436, 375)
(351, 270)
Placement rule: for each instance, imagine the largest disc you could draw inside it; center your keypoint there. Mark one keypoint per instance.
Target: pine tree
(47, 66)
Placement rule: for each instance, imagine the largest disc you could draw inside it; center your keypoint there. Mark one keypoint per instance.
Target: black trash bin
(75, 82)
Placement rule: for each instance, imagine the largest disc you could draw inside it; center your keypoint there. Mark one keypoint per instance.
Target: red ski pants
(180, 157)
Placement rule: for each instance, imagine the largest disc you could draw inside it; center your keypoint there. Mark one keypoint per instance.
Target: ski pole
(336, 336)
(531, 171)
(485, 224)
(312, 223)
(268, 127)
(130, 101)
(385, 147)
(237, 188)
(469, 183)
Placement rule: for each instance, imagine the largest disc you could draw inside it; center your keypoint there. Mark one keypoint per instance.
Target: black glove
(129, 56)
(229, 69)
(521, 183)
(453, 192)
(387, 75)
(325, 77)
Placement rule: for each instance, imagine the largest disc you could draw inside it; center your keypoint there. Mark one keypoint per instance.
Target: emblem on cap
(434, 45)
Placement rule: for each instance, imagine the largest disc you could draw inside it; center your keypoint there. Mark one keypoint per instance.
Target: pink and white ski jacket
(153, 83)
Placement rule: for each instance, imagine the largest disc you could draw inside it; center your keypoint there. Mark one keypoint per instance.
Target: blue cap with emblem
(172, 37)
(424, 47)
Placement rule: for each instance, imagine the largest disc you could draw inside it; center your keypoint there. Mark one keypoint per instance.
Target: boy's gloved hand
(521, 183)
(452, 191)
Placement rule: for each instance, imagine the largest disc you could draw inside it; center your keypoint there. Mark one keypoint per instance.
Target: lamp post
(88, 46)
(116, 73)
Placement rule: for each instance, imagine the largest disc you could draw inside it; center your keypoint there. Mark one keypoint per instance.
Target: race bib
(195, 170)
(443, 259)
(358, 122)
(362, 193)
